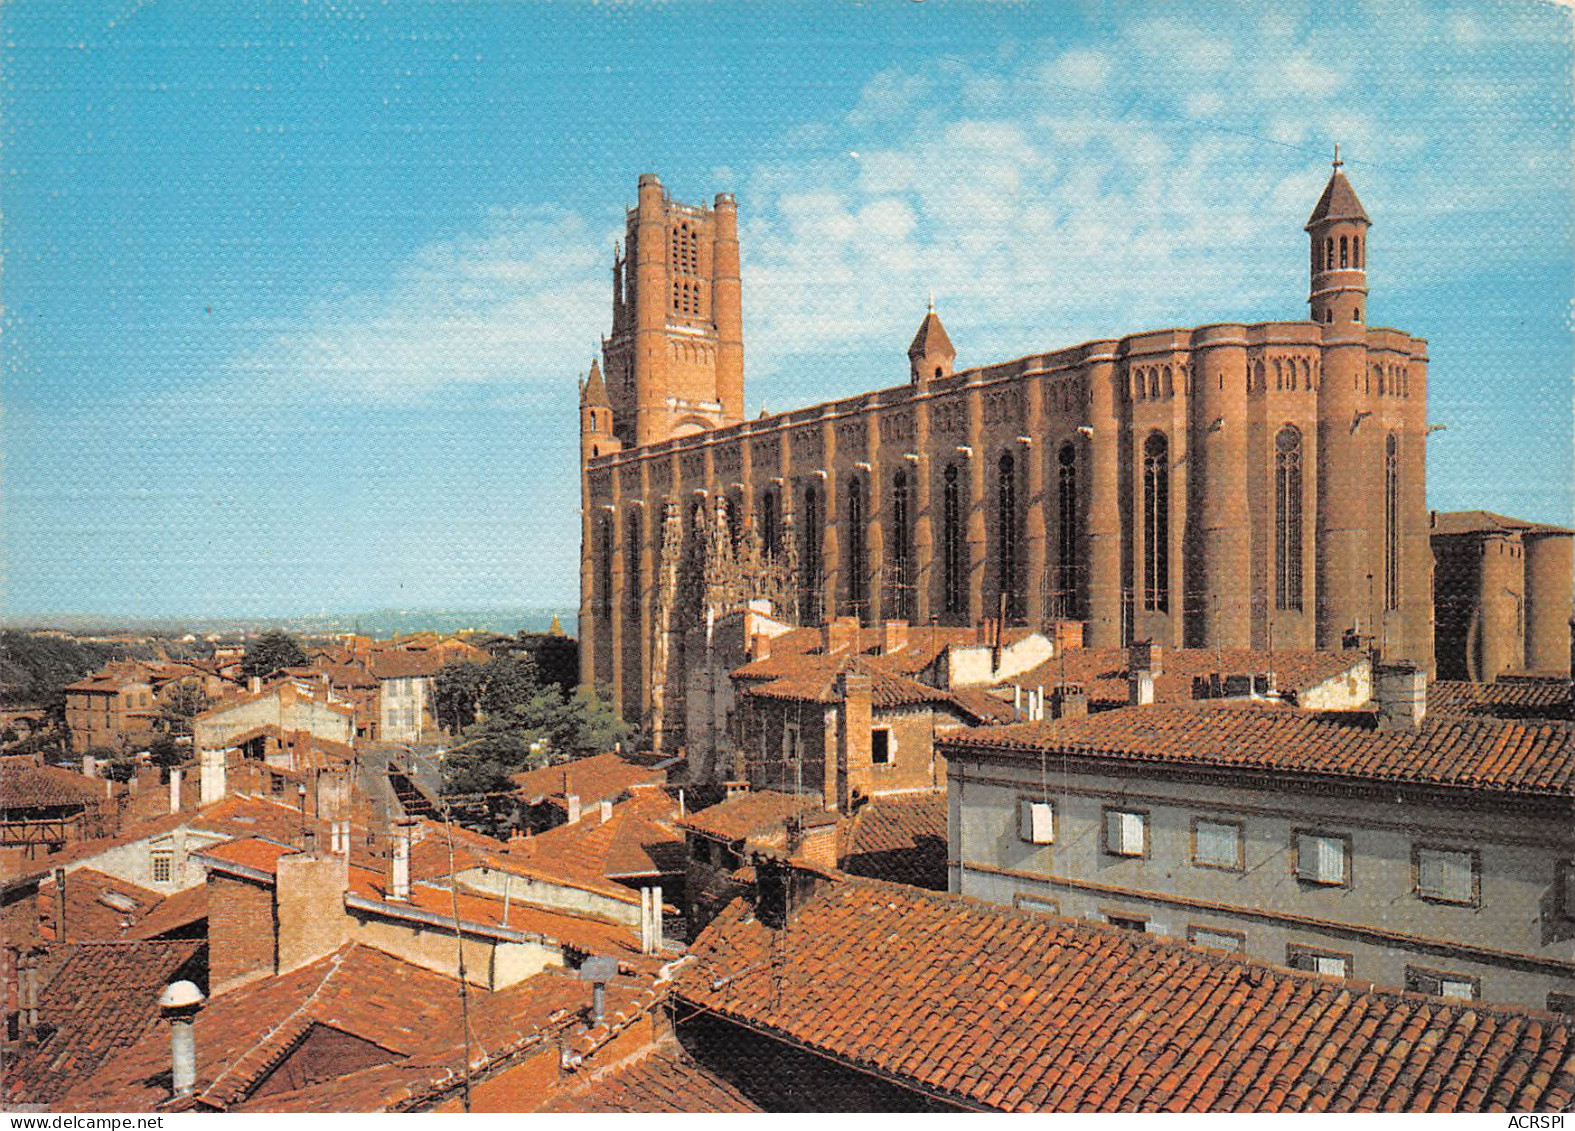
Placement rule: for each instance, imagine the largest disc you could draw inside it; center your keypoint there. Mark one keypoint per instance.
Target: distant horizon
(374, 622)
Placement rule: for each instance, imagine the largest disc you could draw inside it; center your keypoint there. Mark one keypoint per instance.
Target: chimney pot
(1402, 696)
(179, 1003)
(894, 636)
(399, 862)
(572, 803)
(175, 779)
(605, 808)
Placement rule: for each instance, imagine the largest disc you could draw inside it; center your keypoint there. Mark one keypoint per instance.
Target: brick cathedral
(1228, 485)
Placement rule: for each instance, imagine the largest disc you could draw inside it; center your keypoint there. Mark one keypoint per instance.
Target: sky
(296, 295)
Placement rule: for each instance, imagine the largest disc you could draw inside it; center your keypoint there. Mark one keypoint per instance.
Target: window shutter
(1456, 988)
(1132, 833)
(1307, 857)
(1217, 843)
(1329, 965)
(1331, 860)
(1113, 830)
(1430, 878)
(1457, 876)
(1036, 822)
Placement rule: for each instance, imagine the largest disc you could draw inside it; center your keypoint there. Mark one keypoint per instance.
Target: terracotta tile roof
(244, 1034)
(1103, 672)
(177, 912)
(640, 838)
(1002, 1009)
(1504, 699)
(899, 837)
(662, 1078)
(983, 707)
(1485, 756)
(790, 650)
(406, 664)
(99, 907)
(815, 678)
(1486, 522)
(756, 813)
(25, 784)
(546, 1009)
(600, 777)
(102, 998)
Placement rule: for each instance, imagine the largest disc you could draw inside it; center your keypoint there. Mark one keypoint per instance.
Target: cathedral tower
(675, 359)
(1337, 233)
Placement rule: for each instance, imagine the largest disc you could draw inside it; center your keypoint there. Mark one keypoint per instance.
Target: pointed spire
(595, 391)
(1338, 201)
(932, 353)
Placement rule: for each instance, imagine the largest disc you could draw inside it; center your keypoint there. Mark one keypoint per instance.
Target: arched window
(809, 559)
(1356, 314)
(1288, 518)
(1328, 315)
(1008, 568)
(901, 548)
(1328, 259)
(1344, 253)
(1156, 523)
(858, 587)
(1356, 252)
(771, 523)
(1067, 574)
(1392, 522)
(953, 562)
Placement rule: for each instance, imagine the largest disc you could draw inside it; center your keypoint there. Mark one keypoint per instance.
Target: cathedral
(1231, 485)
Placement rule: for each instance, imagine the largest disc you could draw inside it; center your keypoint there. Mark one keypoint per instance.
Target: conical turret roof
(1338, 202)
(595, 392)
(931, 340)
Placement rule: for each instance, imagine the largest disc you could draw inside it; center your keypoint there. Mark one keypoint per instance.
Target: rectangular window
(1328, 963)
(1126, 832)
(1446, 875)
(1561, 1003)
(163, 867)
(1439, 983)
(1216, 939)
(880, 746)
(790, 748)
(1036, 903)
(1565, 888)
(1127, 922)
(1035, 821)
(1323, 858)
(1217, 843)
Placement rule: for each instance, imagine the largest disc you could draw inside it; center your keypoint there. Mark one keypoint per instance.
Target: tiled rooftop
(899, 837)
(176, 913)
(99, 907)
(1484, 522)
(1503, 699)
(661, 1079)
(102, 998)
(1486, 756)
(995, 1008)
(601, 777)
(1103, 672)
(24, 784)
(755, 813)
(639, 839)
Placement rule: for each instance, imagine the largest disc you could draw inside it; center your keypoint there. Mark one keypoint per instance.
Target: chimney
(732, 789)
(1140, 688)
(175, 780)
(894, 636)
(309, 895)
(1068, 701)
(814, 844)
(604, 808)
(1402, 696)
(89, 766)
(572, 802)
(835, 635)
(1145, 656)
(399, 861)
(60, 905)
(213, 770)
(254, 684)
(598, 971)
(27, 991)
(179, 1004)
(651, 919)
(759, 646)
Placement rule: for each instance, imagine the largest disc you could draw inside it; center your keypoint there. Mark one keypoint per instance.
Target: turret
(1337, 234)
(596, 417)
(931, 355)
(727, 309)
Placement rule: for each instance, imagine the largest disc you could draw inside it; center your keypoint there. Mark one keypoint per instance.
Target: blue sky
(296, 294)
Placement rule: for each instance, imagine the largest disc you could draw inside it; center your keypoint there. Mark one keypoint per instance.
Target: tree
(181, 702)
(165, 751)
(271, 651)
(457, 692)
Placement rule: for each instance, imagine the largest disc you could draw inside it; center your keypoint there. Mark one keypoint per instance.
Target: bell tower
(674, 361)
(1337, 235)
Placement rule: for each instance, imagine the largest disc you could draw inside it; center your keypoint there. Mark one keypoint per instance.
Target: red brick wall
(242, 930)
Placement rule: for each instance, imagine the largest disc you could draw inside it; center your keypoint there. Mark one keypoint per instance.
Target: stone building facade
(1228, 485)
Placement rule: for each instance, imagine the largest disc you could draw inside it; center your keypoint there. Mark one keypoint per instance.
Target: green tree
(457, 694)
(165, 751)
(181, 702)
(271, 651)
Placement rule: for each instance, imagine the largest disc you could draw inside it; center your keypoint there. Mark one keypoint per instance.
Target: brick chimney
(814, 844)
(399, 860)
(835, 635)
(572, 803)
(214, 770)
(759, 646)
(894, 636)
(309, 898)
(1068, 701)
(1145, 656)
(1402, 696)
